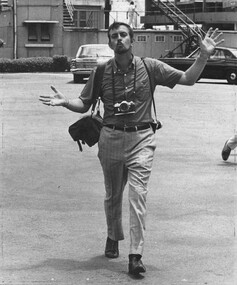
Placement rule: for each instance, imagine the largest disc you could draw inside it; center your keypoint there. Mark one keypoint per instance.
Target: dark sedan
(222, 64)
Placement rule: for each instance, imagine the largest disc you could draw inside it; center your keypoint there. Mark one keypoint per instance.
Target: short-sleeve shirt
(133, 85)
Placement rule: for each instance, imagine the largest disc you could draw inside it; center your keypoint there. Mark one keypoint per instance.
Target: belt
(129, 128)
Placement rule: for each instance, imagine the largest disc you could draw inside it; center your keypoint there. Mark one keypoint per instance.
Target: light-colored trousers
(232, 142)
(126, 157)
(131, 20)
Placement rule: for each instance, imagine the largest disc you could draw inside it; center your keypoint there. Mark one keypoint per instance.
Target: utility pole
(107, 11)
(204, 9)
(14, 29)
(204, 6)
(175, 3)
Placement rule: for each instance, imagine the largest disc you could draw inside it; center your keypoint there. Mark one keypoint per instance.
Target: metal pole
(107, 9)
(14, 29)
(204, 7)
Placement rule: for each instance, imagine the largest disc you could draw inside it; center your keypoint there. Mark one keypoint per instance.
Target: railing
(195, 8)
(178, 18)
(70, 8)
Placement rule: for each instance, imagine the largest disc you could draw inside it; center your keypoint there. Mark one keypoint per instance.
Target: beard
(121, 49)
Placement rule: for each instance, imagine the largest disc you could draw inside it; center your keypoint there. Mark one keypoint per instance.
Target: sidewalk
(53, 227)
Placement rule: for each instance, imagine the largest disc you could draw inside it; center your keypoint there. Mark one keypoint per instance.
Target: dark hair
(132, 2)
(116, 25)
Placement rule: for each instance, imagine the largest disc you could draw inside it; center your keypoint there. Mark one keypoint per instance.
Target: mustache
(119, 44)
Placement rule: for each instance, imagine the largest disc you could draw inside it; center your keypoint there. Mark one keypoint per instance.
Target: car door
(214, 68)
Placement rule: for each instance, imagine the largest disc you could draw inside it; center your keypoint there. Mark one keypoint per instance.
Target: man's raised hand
(210, 41)
(57, 99)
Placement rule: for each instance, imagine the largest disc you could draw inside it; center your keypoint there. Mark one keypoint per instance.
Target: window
(45, 36)
(32, 32)
(218, 54)
(141, 38)
(82, 18)
(160, 38)
(178, 38)
(228, 54)
(88, 16)
(39, 32)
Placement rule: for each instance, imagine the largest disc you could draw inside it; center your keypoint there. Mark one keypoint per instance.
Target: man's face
(120, 41)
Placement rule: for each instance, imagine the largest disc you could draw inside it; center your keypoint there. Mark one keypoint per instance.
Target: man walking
(131, 14)
(127, 141)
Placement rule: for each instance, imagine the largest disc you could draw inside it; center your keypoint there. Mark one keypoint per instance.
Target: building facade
(31, 28)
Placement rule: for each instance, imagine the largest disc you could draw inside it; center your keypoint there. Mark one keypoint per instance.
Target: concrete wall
(230, 38)
(73, 38)
(6, 34)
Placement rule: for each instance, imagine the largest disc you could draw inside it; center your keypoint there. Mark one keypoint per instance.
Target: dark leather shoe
(225, 152)
(111, 248)
(135, 265)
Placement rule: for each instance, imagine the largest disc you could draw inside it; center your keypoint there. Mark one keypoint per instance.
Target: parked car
(222, 64)
(87, 58)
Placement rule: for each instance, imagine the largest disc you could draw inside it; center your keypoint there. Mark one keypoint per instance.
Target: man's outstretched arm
(58, 99)
(207, 46)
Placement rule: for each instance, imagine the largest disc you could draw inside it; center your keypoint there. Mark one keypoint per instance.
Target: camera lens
(124, 107)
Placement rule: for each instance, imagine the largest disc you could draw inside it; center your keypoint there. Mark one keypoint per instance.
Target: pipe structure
(14, 29)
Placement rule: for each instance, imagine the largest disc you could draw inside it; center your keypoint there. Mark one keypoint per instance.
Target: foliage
(57, 63)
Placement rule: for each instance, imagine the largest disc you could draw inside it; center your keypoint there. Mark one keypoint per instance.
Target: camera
(124, 108)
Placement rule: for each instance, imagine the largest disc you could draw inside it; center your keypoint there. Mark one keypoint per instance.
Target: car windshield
(98, 51)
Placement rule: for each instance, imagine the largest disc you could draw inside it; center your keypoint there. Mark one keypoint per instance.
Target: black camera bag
(87, 129)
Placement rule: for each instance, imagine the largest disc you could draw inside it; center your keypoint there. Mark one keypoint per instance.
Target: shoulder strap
(151, 87)
(97, 83)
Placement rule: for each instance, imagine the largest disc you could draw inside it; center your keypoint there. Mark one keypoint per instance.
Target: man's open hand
(210, 41)
(57, 99)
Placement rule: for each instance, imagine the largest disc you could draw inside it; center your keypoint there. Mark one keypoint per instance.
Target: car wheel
(232, 76)
(77, 78)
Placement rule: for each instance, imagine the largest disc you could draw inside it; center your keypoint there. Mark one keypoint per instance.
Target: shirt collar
(117, 70)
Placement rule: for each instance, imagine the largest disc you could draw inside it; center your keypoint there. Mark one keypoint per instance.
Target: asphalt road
(52, 219)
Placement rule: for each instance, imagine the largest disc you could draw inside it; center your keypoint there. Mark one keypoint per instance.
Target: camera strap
(159, 125)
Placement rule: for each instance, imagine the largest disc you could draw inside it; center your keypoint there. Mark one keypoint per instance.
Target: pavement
(52, 219)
